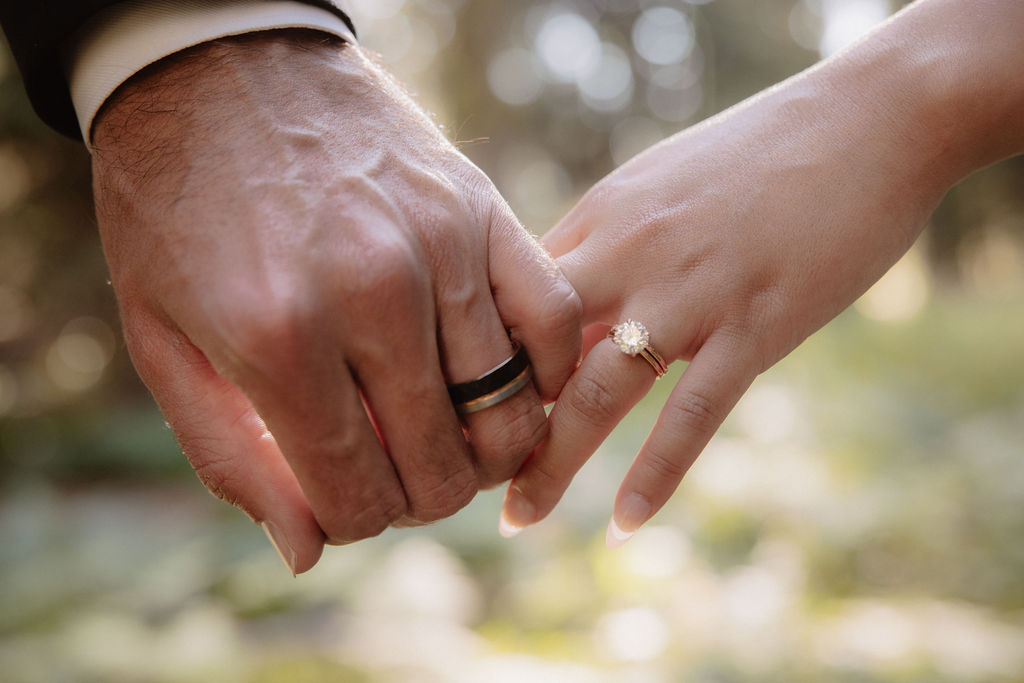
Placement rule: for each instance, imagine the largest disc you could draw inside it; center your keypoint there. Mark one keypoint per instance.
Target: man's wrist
(202, 86)
(123, 40)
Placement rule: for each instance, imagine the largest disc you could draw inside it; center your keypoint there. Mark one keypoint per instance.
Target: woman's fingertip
(615, 537)
(631, 514)
(507, 528)
(517, 513)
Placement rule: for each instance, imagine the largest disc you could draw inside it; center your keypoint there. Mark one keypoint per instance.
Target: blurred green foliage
(858, 518)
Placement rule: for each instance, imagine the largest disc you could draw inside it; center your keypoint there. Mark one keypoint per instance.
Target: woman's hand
(735, 240)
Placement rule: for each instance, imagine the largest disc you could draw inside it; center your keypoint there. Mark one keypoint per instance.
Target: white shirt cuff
(124, 39)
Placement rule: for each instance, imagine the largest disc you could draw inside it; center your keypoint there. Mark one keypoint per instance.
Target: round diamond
(631, 337)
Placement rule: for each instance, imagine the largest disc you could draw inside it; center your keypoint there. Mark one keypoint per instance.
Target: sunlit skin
(302, 262)
(735, 240)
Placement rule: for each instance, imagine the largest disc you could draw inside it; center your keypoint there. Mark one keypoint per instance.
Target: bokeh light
(514, 77)
(847, 20)
(663, 35)
(636, 634)
(14, 173)
(8, 390)
(609, 86)
(15, 313)
(901, 293)
(568, 47)
(77, 358)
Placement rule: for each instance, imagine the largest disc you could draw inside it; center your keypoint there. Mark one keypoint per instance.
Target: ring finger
(605, 387)
(474, 343)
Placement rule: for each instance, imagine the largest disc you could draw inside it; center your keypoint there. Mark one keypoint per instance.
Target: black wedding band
(494, 386)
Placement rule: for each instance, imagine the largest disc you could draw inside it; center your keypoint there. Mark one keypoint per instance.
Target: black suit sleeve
(37, 30)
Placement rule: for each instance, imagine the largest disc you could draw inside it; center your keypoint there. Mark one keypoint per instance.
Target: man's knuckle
(561, 310)
(444, 497)
(384, 269)
(367, 521)
(462, 295)
(524, 431)
(517, 434)
(502, 453)
(222, 476)
(258, 333)
(481, 194)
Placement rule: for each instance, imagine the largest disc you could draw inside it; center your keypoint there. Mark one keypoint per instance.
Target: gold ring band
(655, 359)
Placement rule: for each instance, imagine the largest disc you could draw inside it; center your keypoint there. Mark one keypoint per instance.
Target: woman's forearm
(943, 83)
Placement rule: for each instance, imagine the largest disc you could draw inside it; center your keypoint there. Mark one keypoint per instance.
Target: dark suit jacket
(37, 31)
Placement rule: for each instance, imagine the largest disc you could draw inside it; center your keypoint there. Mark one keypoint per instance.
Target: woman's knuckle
(544, 476)
(695, 410)
(663, 467)
(591, 400)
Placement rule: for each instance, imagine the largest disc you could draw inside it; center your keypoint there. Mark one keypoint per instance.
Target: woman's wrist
(943, 79)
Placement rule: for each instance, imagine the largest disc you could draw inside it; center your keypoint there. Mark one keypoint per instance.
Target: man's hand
(303, 262)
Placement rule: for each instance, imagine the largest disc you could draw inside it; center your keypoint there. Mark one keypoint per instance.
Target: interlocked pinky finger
(710, 387)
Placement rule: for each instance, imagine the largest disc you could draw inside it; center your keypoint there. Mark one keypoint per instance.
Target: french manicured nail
(507, 528)
(616, 537)
(517, 513)
(280, 544)
(628, 517)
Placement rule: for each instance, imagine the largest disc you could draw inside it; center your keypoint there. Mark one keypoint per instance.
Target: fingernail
(280, 544)
(517, 513)
(628, 517)
(507, 528)
(616, 537)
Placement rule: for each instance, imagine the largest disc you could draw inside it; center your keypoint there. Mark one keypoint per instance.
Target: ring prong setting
(631, 337)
